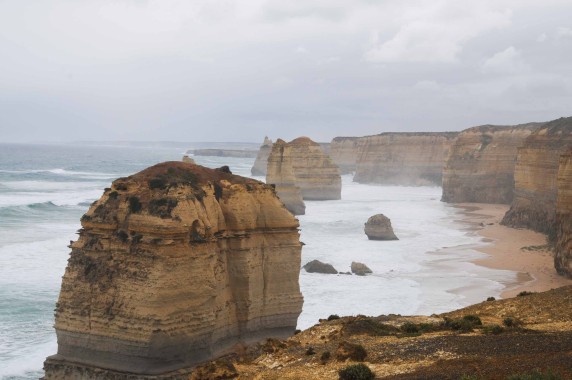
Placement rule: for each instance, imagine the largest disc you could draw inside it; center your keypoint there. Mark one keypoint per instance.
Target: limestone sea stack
(173, 266)
(344, 151)
(188, 159)
(317, 176)
(281, 174)
(563, 230)
(535, 176)
(378, 227)
(260, 164)
(411, 159)
(480, 166)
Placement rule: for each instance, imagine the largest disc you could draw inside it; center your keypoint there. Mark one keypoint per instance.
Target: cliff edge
(173, 266)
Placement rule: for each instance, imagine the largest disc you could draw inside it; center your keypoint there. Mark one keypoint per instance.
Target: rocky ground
(490, 340)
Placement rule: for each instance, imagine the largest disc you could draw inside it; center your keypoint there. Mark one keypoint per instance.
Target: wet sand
(523, 251)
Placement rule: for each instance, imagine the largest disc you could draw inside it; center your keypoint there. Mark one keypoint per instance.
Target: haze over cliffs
(173, 266)
(403, 158)
(480, 166)
(259, 167)
(536, 170)
(345, 151)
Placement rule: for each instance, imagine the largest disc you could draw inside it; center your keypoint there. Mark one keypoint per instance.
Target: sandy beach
(520, 250)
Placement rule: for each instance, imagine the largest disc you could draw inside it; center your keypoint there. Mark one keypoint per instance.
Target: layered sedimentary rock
(480, 166)
(563, 251)
(403, 158)
(281, 174)
(173, 266)
(260, 164)
(534, 204)
(344, 151)
(378, 227)
(317, 176)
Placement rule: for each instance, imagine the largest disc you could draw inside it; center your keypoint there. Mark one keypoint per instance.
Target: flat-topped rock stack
(281, 174)
(536, 172)
(261, 162)
(317, 176)
(411, 159)
(480, 166)
(174, 266)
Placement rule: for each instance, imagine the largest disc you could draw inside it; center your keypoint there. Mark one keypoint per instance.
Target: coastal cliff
(480, 166)
(403, 158)
(317, 176)
(280, 174)
(260, 164)
(173, 266)
(536, 171)
(344, 151)
(563, 251)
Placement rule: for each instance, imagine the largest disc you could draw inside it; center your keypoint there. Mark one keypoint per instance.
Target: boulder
(316, 266)
(360, 269)
(378, 227)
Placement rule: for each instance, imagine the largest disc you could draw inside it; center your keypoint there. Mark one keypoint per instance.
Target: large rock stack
(536, 171)
(317, 176)
(480, 166)
(260, 163)
(173, 266)
(403, 158)
(563, 230)
(280, 174)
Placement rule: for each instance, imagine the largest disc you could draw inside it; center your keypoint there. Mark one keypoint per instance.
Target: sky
(224, 70)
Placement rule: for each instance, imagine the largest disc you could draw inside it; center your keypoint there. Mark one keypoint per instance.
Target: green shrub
(493, 329)
(310, 351)
(333, 317)
(347, 350)
(135, 205)
(410, 328)
(157, 183)
(474, 319)
(511, 322)
(491, 299)
(356, 372)
(459, 324)
(536, 375)
(524, 293)
(325, 356)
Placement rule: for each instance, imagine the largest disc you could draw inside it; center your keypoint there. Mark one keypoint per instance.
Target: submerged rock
(174, 266)
(360, 269)
(316, 266)
(378, 227)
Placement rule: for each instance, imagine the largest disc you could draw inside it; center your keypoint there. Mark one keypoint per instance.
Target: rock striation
(378, 227)
(173, 266)
(563, 251)
(345, 151)
(480, 166)
(260, 164)
(536, 171)
(281, 174)
(317, 176)
(411, 159)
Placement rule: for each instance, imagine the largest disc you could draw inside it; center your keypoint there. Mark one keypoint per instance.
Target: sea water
(44, 190)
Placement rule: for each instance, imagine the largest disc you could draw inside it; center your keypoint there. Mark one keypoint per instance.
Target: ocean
(45, 189)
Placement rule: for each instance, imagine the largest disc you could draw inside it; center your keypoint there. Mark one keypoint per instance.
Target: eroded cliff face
(403, 158)
(173, 266)
(345, 151)
(280, 174)
(563, 251)
(317, 176)
(480, 166)
(259, 167)
(536, 171)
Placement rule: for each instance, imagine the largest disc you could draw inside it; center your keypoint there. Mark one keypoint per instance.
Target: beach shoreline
(523, 251)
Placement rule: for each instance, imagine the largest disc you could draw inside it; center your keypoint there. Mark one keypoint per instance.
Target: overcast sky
(223, 70)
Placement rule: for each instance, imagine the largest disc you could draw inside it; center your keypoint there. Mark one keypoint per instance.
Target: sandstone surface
(536, 171)
(563, 251)
(316, 266)
(378, 227)
(261, 162)
(345, 151)
(280, 173)
(480, 166)
(360, 269)
(411, 159)
(174, 266)
(317, 176)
